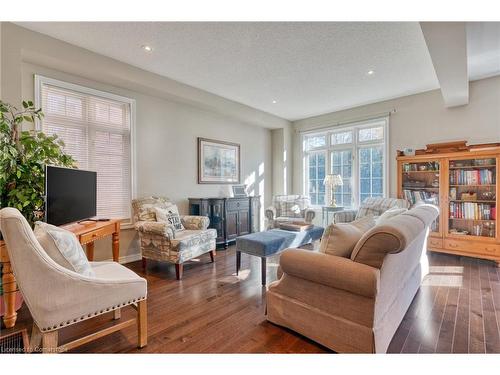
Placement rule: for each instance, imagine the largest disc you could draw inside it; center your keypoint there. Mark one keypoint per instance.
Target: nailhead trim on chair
(91, 315)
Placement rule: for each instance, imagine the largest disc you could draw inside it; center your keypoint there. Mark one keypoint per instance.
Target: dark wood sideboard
(231, 217)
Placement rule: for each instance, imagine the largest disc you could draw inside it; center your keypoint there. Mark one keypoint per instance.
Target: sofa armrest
(309, 215)
(156, 227)
(332, 271)
(270, 212)
(195, 222)
(345, 216)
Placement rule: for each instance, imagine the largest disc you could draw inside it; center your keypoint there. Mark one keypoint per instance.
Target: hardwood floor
(457, 310)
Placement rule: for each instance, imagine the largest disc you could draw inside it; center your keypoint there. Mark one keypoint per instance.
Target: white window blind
(97, 133)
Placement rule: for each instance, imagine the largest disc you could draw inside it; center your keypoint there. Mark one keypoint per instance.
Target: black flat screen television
(70, 195)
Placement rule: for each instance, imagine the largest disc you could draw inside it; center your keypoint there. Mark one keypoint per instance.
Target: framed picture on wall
(218, 162)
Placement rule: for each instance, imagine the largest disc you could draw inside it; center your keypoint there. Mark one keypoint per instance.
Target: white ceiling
(308, 68)
(483, 49)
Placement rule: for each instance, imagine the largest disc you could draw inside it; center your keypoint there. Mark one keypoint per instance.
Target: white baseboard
(129, 258)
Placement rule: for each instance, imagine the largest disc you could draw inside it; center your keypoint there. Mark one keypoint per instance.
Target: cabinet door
(231, 225)
(243, 222)
(216, 216)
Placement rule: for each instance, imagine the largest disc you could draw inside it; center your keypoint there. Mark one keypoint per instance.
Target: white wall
(419, 120)
(167, 125)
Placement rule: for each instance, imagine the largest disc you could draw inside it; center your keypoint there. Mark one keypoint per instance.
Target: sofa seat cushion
(188, 239)
(340, 239)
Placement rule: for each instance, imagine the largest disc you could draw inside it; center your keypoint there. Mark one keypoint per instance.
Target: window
(357, 153)
(316, 166)
(96, 129)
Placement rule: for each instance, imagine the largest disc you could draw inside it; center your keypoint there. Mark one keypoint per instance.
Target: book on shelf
(472, 177)
(472, 211)
(414, 196)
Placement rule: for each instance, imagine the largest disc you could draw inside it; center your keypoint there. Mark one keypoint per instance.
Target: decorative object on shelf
(332, 181)
(468, 196)
(218, 162)
(239, 191)
(25, 154)
(437, 148)
(453, 193)
(409, 151)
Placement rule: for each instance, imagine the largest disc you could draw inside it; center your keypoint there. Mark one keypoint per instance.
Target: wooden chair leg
(212, 255)
(142, 324)
(117, 314)
(36, 338)
(49, 342)
(179, 268)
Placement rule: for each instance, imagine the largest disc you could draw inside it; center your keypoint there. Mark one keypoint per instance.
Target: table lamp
(332, 181)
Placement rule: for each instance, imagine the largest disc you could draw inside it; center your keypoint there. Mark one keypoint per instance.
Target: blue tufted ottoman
(271, 242)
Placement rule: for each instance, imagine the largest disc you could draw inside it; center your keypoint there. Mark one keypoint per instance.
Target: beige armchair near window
(159, 242)
(58, 297)
(287, 208)
(355, 304)
(374, 206)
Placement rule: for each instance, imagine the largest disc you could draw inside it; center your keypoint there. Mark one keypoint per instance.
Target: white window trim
(355, 146)
(41, 80)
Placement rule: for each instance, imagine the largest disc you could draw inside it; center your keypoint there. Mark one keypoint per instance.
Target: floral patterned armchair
(158, 241)
(289, 208)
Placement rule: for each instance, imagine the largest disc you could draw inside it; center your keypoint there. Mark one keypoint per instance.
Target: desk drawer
(435, 243)
(236, 205)
(483, 248)
(96, 234)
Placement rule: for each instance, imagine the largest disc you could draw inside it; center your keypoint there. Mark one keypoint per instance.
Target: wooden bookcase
(464, 182)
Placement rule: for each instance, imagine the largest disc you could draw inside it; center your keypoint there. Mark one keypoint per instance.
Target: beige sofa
(354, 305)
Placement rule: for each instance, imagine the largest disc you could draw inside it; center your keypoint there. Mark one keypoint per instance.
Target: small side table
(325, 213)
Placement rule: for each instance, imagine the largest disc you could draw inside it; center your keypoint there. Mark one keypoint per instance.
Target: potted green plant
(23, 156)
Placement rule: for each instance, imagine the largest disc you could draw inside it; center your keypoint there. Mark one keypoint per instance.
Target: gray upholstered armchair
(158, 241)
(287, 208)
(374, 206)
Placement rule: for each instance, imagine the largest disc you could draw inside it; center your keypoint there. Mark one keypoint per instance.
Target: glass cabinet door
(472, 197)
(421, 182)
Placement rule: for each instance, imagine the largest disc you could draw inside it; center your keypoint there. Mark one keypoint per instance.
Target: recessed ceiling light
(147, 48)
(370, 72)
(275, 101)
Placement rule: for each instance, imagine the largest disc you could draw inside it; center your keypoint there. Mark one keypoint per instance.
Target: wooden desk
(90, 231)
(87, 233)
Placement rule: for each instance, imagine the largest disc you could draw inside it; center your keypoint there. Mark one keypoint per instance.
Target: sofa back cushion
(393, 236)
(375, 206)
(340, 239)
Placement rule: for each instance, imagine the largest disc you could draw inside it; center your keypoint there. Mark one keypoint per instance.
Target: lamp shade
(333, 180)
